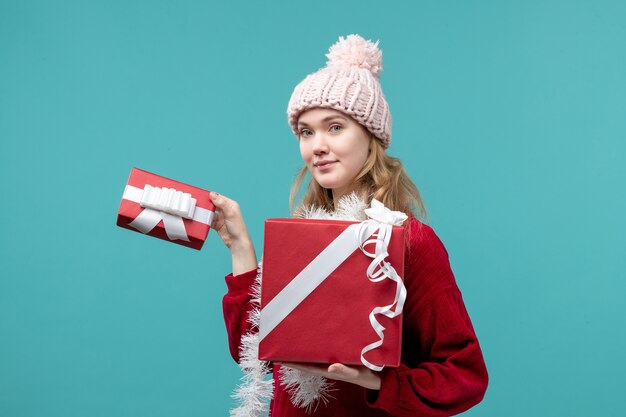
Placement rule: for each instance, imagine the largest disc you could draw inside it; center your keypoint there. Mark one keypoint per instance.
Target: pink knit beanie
(349, 83)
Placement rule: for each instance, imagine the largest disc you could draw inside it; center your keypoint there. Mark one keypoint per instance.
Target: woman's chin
(328, 184)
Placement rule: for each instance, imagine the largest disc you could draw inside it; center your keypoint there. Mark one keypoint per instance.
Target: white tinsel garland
(257, 387)
(307, 390)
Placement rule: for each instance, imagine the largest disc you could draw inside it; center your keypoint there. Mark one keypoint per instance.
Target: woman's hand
(229, 225)
(228, 221)
(359, 375)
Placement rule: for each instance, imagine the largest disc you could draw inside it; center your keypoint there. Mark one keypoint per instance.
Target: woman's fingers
(335, 371)
(305, 367)
(218, 220)
(343, 371)
(219, 226)
(358, 375)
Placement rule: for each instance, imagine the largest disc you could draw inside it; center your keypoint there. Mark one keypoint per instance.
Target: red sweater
(442, 371)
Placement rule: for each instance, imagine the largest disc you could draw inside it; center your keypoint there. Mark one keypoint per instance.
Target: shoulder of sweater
(427, 264)
(421, 237)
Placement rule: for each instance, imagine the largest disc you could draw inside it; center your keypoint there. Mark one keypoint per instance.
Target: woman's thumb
(228, 207)
(216, 199)
(223, 203)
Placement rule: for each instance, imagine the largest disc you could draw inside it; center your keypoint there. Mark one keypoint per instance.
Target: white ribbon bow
(382, 214)
(165, 204)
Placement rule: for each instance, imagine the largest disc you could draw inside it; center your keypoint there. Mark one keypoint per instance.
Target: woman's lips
(326, 166)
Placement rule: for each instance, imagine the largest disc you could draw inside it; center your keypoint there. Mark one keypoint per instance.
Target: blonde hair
(382, 177)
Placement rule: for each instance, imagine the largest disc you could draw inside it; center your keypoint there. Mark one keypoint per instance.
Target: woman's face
(334, 148)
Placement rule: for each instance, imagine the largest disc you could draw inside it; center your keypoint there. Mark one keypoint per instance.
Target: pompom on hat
(348, 83)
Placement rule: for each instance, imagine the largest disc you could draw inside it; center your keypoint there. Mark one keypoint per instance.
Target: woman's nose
(320, 144)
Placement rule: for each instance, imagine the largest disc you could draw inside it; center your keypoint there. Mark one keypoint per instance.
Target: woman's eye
(335, 128)
(305, 133)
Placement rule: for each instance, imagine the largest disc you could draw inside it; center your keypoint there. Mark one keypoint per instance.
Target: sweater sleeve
(236, 306)
(443, 371)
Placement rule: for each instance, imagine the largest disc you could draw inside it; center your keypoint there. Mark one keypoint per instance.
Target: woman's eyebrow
(325, 119)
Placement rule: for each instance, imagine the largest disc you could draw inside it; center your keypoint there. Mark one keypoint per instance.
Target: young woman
(342, 123)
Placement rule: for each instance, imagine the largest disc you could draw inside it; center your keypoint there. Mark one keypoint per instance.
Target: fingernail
(213, 194)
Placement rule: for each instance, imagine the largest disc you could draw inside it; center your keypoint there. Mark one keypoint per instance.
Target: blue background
(509, 116)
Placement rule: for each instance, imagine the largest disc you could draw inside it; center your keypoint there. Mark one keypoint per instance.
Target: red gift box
(328, 321)
(166, 209)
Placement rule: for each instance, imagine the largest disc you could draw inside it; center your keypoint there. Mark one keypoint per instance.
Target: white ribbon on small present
(354, 236)
(165, 204)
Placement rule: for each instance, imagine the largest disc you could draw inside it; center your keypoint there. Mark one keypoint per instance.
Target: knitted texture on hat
(349, 83)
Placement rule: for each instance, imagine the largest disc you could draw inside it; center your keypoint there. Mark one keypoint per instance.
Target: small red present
(324, 299)
(167, 209)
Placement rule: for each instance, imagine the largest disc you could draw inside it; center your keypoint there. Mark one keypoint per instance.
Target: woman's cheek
(303, 152)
